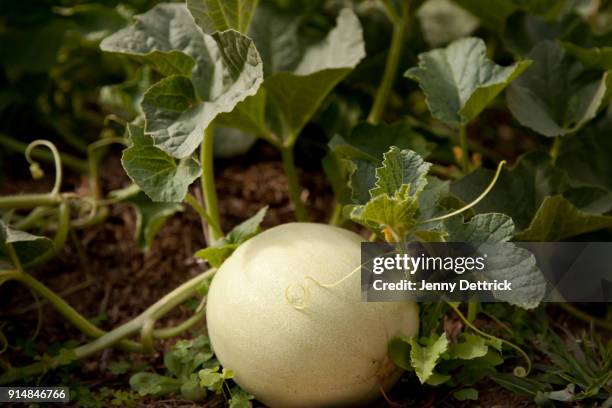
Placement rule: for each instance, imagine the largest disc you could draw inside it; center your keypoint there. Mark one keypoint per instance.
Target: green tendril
(35, 167)
(473, 203)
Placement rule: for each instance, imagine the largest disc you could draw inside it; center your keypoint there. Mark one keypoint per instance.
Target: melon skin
(291, 342)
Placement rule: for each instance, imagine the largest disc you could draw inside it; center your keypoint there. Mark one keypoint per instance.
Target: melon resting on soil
(285, 314)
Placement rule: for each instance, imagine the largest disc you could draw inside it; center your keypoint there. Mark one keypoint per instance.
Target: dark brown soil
(105, 276)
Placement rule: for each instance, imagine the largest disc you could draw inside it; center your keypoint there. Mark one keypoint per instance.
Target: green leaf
(211, 379)
(215, 256)
(150, 217)
(221, 15)
(509, 262)
(240, 398)
(472, 347)
(27, 247)
(480, 229)
(465, 394)
(459, 81)
(585, 156)
(207, 74)
(397, 213)
(162, 177)
(595, 57)
(223, 248)
(401, 168)
(491, 13)
(558, 219)
(293, 92)
(370, 142)
(442, 21)
(556, 96)
(424, 358)
(154, 384)
(394, 200)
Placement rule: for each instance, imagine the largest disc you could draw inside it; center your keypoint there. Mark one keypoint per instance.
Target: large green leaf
(556, 95)
(295, 88)
(221, 15)
(207, 74)
(401, 168)
(27, 247)
(558, 219)
(459, 81)
(482, 228)
(586, 156)
(540, 199)
(162, 177)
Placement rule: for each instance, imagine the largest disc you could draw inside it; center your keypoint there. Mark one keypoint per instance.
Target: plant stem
(27, 201)
(336, 217)
(63, 227)
(579, 314)
(465, 151)
(554, 149)
(116, 336)
(301, 212)
(63, 308)
(208, 183)
(400, 26)
(20, 147)
(193, 202)
(472, 310)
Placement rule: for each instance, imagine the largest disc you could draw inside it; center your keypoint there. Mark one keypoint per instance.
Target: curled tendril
(298, 295)
(518, 371)
(92, 209)
(35, 166)
(473, 203)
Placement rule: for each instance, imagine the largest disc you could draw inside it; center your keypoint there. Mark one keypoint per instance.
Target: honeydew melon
(284, 313)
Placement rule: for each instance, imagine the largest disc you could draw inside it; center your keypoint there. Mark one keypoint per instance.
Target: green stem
(42, 155)
(579, 314)
(208, 183)
(116, 336)
(27, 201)
(336, 217)
(64, 308)
(193, 202)
(555, 148)
(92, 162)
(59, 240)
(32, 219)
(400, 26)
(301, 212)
(465, 151)
(472, 311)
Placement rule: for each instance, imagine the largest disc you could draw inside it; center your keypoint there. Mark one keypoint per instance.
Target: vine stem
(301, 212)
(465, 150)
(193, 203)
(208, 183)
(116, 336)
(579, 314)
(400, 25)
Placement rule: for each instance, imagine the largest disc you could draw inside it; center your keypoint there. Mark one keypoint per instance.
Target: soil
(105, 276)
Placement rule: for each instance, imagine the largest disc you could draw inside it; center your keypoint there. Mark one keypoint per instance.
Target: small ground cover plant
(430, 121)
